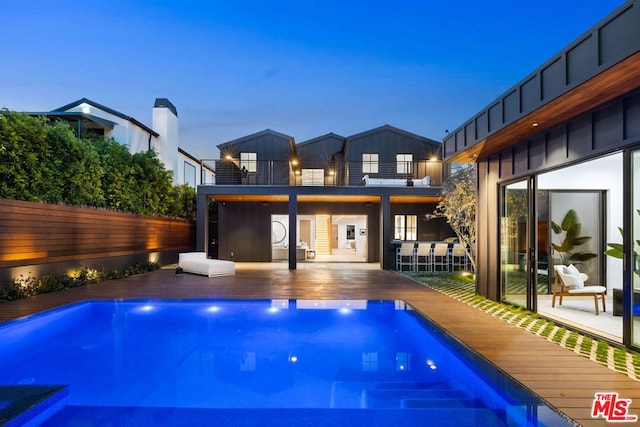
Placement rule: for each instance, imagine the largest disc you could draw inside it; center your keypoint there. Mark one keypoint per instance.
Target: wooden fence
(40, 233)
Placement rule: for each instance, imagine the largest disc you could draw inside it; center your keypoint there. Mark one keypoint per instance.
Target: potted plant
(568, 249)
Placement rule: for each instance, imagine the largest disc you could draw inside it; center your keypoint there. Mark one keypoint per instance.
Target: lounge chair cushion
(573, 279)
(591, 289)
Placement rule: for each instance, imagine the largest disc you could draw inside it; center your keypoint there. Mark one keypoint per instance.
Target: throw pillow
(573, 270)
(576, 277)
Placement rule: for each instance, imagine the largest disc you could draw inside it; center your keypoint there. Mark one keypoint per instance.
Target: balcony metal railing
(323, 173)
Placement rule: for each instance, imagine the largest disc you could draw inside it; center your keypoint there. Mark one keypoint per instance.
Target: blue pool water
(277, 362)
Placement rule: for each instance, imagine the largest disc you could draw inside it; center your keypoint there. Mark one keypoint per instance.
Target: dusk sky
(303, 68)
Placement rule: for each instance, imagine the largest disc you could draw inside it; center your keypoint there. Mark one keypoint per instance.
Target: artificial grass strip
(460, 288)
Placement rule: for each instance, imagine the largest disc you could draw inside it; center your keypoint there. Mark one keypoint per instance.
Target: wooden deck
(564, 379)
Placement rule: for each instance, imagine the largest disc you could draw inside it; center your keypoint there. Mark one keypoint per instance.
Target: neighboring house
(351, 198)
(566, 138)
(88, 117)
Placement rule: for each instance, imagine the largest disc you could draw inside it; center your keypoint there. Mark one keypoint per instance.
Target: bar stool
(405, 256)
(424, 257)
(459, 258)
(441, 257)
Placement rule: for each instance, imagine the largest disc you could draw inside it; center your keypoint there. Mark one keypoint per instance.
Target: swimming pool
(276, 362)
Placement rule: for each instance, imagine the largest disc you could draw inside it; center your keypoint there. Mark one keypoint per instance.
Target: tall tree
(458, 208)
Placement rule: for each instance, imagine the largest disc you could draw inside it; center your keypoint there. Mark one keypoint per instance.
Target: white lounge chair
(198, 263)
(570, 282)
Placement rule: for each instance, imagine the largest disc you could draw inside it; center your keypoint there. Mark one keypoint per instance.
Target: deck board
(563, 378)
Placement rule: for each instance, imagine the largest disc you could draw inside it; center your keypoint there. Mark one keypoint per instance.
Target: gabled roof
(395, 130)
(254, 135)
(106, 110)
(75, 115)
(321, 138)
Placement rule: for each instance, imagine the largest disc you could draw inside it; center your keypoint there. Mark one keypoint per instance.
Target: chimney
(165, 122)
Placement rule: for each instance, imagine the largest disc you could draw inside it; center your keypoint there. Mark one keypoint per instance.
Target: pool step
(418, 398)
(440, 403)
(28, 405)
(202, 417)
(370, 394)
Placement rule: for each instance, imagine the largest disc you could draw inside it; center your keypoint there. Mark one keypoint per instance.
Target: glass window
(412, 227)
(404, 163)
(249, 161)
(189, 174)
(312, 176)
(405, 227)
(369, 163)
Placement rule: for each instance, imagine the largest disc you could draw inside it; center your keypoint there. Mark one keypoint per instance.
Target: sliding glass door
(635, 238)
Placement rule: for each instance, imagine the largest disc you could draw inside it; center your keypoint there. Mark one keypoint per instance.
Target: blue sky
(303, 68)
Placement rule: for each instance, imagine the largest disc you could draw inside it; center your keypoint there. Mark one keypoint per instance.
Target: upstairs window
(369, 163)
(404, 163)
(312, 176)
(249, 161)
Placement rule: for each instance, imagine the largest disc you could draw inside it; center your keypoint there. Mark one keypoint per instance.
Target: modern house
(89, 117)
(331, 198)
(558, 161)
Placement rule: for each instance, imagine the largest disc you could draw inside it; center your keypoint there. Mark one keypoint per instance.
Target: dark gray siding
(273, 151)
(321, 149)
(609, 127)
(386, 141)
(269, 145)
(605, 129)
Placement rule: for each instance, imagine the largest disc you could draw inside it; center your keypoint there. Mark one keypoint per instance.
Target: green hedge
(47, 162)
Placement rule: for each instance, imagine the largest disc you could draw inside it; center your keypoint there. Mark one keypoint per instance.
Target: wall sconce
(294, 162)
(228, 157)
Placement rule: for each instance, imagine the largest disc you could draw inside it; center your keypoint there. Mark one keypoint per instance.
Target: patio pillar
(293, 230)
(386, 257)
(202, 222)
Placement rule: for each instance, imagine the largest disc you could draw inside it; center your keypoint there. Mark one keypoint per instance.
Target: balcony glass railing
(427, 173)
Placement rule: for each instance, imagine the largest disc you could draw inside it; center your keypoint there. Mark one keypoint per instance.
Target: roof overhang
(606, 86)
(321, 194)
(321, 198)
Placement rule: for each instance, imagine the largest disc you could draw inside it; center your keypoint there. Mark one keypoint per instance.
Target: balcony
(322, 173)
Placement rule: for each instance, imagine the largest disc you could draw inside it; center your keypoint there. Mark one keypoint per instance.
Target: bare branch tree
(458, 208)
